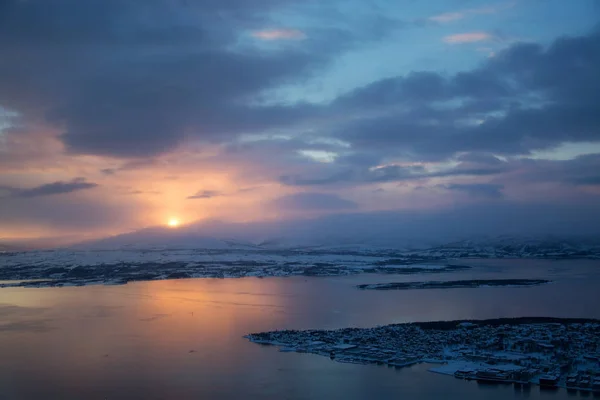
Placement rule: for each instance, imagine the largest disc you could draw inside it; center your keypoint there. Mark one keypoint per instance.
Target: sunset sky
(117, 115)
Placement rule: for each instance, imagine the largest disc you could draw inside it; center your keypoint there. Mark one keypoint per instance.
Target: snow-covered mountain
(163, 238)
(522, 247)
(162, 253)
(5, 247)
(238, 237)
(448, 233)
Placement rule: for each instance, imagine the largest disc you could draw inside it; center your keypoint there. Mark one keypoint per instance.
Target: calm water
(183, 339)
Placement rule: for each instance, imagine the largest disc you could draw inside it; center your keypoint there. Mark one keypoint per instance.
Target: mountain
(343, 236)
(403, 230)
(341, 232)
(163, 238)
(5, 247)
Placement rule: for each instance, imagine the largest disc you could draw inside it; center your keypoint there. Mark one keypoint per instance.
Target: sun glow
(173, 223)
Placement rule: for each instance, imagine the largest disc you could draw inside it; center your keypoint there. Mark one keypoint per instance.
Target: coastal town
(549, 352)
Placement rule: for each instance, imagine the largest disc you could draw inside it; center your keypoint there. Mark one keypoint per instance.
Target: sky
(118, 115)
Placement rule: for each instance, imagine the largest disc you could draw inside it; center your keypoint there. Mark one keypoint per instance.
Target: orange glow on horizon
(173, 222)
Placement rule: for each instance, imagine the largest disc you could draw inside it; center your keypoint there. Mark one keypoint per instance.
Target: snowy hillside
(158, 254)
(162, 238)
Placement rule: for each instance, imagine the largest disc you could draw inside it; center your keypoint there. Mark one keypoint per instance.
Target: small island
(474, 283)
(550, 352)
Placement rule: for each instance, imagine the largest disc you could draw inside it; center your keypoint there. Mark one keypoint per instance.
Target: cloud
(248, 189)
(487, 190)
(206, 194)
(180, 88)
(85, 213)
(54, 188)
(526, 98)
(458, 15)
(583, 170)
(469, 37)
(391, 228)
(297, 180)
(393, 173)
(150, 74)
(480, 158)
(279, 34)
(313, 202)
(588, 180)
(448, 17)
(153, 75)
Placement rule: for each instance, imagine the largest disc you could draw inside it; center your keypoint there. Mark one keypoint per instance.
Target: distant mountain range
(158, 237)
(521, 247)
(509, 230)
(188, 252)
(5, 247)
(195, 237)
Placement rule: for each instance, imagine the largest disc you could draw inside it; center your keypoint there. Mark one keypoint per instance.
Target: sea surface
(182, 339)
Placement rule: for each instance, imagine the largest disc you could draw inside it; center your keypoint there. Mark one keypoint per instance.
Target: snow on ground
(92, 258)
(452, 366)
(224, 259)
(82, 267)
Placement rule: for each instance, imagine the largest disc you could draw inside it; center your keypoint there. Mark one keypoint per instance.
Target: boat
(521, 378)
(492, 376)
(585, 381)
(572, 382)
(464, 374)
(549, 381)
(596, 385)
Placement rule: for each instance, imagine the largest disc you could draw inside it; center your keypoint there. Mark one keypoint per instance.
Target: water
(183, 339)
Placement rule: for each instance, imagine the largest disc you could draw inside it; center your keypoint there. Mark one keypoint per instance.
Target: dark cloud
(148, 75)
(588, 180)
(393, 173)
(373, 175)
(134, 79)
(206, 194)
(131, 165)
(487, 190)
(419, 88)
(313, 202)
(534, 98)
(70, 213)
(108, 171)
(296, 180)
(128, 78)
(419, 227)
(480, 158)
(248, 189)
(52, 188)
(582, 170)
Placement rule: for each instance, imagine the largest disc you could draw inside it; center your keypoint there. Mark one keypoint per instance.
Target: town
(549, 352)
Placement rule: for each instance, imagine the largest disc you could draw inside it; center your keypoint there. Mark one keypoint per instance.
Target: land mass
(78, 268)
(191, 257)
(473, 283)
(547, 351)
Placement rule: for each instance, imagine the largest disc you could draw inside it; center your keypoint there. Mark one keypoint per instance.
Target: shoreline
(518, 350)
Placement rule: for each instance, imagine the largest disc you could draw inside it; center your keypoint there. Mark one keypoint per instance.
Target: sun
(173, 223)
